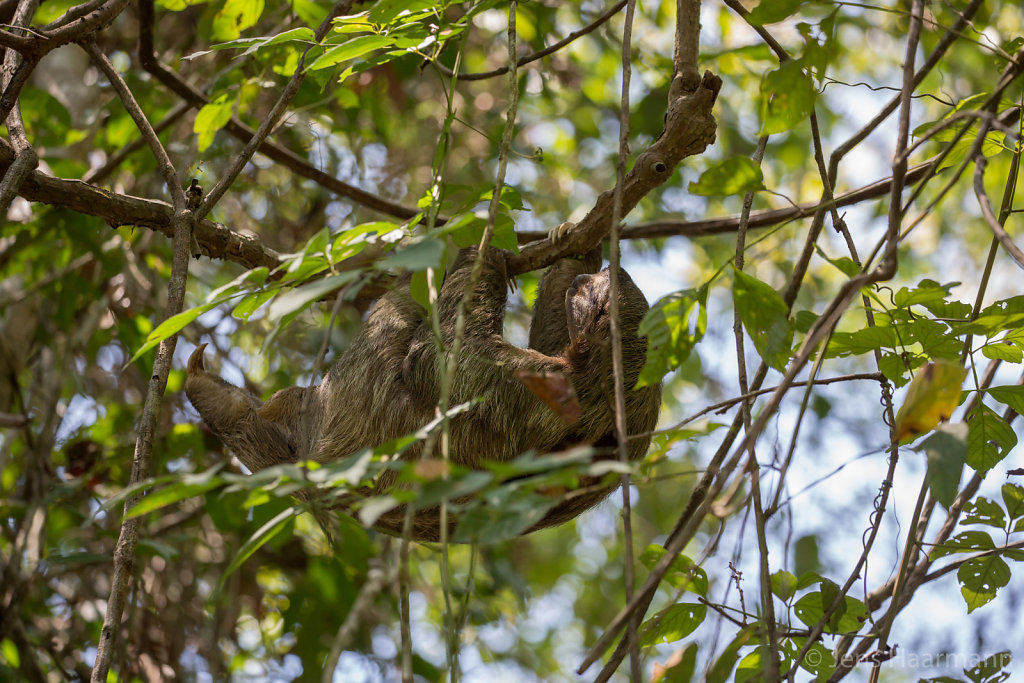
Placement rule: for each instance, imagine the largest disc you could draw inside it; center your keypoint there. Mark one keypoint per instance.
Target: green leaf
(852, 614)
(673, 623)
(299, 297)
(991, 670)
(506, 514)
(1003, 350)
(787, 98)
(765, 317)
(751, 667)
(783, 584)
(723, 666)
(733, 176)
(1013, 499)
(964, 542)
(946, 449)
(818, 660)
(1002, 316)
(927, 291)
(673, 326)
(984, 511)
(251, 303)
(301, 34)
(680, 665)
(169, 495)
(806, 557)
(420, 255)
(172, 326)
(1012, 396)
(980, 578)
(862, 341)
(350, 49)
(989, 439)
(390, 11)
(9, 652)
(682, 572)
(210, 119)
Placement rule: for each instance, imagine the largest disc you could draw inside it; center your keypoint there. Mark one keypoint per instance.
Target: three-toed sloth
(387, 384)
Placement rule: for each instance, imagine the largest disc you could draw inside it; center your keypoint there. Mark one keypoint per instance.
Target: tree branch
(689, 129)
(117, 210)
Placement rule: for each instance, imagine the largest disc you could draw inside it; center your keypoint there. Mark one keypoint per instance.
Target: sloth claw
(195, 361)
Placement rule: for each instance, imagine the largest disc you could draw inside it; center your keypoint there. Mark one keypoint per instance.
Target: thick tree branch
(17, 67)
(758, 219)
(685, 71)
(117, 210)
(74, 25)
(689, 129)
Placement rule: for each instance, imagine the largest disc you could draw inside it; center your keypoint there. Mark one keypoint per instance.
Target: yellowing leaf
(931, 398)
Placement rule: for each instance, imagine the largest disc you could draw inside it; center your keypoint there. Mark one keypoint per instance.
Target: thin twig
(377, 579)
(99, 174)
(621, 429)
(163, 161)
(986, 211)
(272, 118)
(539, 54)
(124, 551)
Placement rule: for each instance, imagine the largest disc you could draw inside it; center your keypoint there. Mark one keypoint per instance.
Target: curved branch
(990, 218)
(689, 129)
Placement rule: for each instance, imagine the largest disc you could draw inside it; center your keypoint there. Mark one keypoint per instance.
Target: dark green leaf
(984, 511)
(771, 11)
(964, 542)
(673, 623)
(946, 449)
(1013, 499)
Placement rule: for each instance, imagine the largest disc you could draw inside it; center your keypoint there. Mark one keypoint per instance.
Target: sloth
(387, 385)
